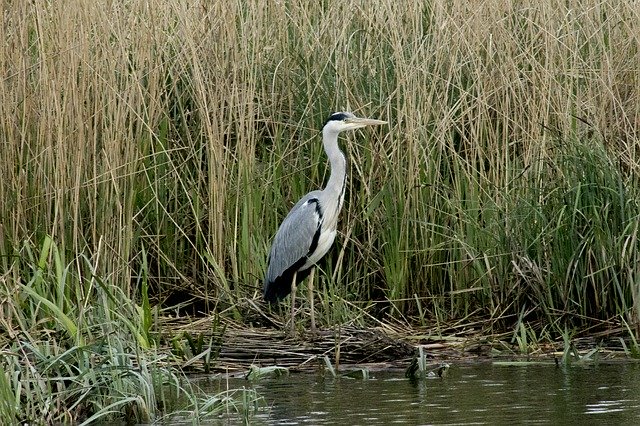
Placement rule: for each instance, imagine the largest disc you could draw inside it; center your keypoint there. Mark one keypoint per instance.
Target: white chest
(324, 244)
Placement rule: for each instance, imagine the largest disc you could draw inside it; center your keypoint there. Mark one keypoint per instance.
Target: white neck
(337, 179)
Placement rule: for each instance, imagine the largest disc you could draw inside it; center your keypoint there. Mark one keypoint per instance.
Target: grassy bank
(77, 350)
(157, 146)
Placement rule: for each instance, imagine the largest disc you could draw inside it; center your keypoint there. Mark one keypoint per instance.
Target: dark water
(475, 394)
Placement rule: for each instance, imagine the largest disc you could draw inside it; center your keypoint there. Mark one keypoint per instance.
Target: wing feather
(295, 240)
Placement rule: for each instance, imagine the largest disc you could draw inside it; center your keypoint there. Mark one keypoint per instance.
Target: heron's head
(341, 121)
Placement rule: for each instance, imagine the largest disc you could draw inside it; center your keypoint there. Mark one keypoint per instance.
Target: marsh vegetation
(149, 150)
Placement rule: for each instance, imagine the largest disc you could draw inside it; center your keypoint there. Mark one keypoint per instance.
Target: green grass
(78, 350)
(150, 154)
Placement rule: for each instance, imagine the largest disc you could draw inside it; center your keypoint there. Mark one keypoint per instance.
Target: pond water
(471, 394)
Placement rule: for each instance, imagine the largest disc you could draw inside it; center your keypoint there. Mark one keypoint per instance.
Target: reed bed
(158, 144)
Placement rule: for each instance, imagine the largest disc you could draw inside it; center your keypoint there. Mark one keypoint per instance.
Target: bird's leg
(293, 303)
(313, 315)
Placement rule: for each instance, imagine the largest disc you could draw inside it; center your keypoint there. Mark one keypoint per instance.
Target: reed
(173, 137)
(78, 350)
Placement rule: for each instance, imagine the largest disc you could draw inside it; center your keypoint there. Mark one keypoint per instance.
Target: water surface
(475, 394)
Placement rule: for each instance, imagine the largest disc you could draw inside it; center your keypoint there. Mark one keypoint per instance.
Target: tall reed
(505, 182)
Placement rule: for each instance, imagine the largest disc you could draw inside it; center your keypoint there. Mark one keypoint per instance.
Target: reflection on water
(470, 394)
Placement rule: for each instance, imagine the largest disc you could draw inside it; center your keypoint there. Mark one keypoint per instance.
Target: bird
(309, 229)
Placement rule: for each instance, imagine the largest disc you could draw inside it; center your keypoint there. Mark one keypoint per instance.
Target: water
(475, 394)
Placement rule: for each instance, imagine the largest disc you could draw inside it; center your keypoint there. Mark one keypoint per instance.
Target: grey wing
(296, 238)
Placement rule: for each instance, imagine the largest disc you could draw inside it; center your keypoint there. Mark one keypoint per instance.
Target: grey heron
(308, 231)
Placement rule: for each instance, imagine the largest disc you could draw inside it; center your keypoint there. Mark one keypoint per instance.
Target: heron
(309, 229)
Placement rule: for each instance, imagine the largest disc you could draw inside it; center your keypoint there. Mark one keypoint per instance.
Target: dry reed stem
(188, 129)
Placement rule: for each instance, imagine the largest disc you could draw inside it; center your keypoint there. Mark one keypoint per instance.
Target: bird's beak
(362, 122)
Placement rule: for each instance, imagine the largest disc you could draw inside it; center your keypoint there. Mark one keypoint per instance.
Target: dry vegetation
(152, 147)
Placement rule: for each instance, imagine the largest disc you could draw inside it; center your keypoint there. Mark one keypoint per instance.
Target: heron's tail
(273, 293)
(276, 290)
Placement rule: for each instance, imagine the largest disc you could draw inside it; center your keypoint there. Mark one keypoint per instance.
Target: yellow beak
(362, 122)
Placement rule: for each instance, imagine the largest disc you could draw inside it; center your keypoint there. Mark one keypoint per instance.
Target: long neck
(337, 179)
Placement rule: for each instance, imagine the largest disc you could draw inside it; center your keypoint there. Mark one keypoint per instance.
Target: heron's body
(308, 231)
